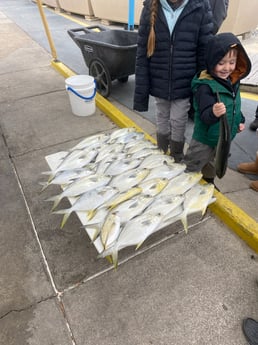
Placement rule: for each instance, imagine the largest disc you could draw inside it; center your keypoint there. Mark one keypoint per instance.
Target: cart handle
(86, 99)
(89, 29)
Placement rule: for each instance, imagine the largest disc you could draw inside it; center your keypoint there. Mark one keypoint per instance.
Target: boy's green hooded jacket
(206, 86)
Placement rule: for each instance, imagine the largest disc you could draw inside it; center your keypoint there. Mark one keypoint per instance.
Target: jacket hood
(217, 48)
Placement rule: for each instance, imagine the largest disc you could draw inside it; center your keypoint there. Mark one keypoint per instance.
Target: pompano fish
(129, 179)
(84, 159)
(121, 197)
(96, 138)
(166, 171)
(165, 205)
(103, 164)
(122, 165)
(144, 153)
(197, 199)
(107, 150)
(120, 132)
(79, 187)
(181, 183)
(172, 217)
(135, 146)
(132, 207)
(153, 186)
(153, 161)
(67, 177)
(95, 224)
(110, 229)
(134, 233)
(88, 202)
(132, 136)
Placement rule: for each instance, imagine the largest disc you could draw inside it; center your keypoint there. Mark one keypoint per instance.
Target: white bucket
(81, 90)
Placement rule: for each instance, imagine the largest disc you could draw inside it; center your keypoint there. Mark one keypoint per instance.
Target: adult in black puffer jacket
(172, 38)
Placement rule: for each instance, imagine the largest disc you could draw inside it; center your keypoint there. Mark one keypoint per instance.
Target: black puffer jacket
(168, 72)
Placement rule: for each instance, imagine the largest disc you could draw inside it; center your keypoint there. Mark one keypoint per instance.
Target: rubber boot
(254, 185)
(176, 150)
(250, 330)
(249, 168)
(254, 125)
(209, 179)
(163, 142)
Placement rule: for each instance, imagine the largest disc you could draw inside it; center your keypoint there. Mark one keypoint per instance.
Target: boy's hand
(219, 109)
(241, 127)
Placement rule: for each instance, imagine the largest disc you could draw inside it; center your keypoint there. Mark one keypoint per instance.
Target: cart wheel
(102, 77)
(123, 80)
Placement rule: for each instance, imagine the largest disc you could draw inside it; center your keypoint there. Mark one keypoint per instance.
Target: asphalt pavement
(179, 289)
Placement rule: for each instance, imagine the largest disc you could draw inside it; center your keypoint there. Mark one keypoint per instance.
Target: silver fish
(196, 200)
(79, 187)
(165, 205)
(120, 132)
(153, 161)
(132, 136)
(153, 186)
(181, 183)
(129, 179)
(95, 224)
(88, 202)
(166, 171)
(67, 176)
(85, 157)
(134, 233)
(135, 146)
(107, 150)
(91, 140)
(144, 153)
(172, 217)
(121, 197)
(110, 230)
(120, 166)
(103, 164)
(132, 207)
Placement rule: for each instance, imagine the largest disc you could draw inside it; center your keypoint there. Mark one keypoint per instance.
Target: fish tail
(91, 213)
(44, 186)
(50, 173)
(184, 222)
(56, 200)
(66, 212)
(138, 245)
(115, 258)
(96, 232)
(64, 220)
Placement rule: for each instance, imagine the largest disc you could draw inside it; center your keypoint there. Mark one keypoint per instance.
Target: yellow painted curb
(234, 217)
(251, 96)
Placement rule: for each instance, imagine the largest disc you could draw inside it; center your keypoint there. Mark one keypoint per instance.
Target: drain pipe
(45, 23)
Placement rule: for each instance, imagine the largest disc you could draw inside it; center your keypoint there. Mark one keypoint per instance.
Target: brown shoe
(254, 185)
(249, 168)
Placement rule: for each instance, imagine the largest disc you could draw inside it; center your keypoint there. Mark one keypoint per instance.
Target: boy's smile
(227, 65)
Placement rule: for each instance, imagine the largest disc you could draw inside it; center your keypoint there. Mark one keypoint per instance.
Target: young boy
(227, 63)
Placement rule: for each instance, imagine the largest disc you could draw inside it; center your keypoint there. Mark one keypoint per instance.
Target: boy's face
(226, 65)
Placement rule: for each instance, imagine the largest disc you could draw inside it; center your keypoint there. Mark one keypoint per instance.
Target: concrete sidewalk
(179, 289)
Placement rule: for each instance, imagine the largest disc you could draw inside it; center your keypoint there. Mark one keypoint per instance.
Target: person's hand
(241, 127)
(219, 109)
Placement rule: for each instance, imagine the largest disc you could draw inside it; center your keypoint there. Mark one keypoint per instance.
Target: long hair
(152, 37)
